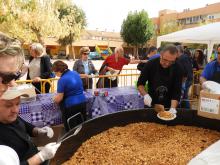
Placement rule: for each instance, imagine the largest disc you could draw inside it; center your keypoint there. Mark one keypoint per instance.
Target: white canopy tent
(207, 34)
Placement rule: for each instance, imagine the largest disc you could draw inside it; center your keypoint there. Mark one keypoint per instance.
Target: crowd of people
(167, 71)
(188, 63)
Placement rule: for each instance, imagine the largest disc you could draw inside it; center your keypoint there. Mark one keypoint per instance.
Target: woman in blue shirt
(69, 94)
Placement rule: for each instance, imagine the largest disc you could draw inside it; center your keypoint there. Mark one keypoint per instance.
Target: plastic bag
(212, 87)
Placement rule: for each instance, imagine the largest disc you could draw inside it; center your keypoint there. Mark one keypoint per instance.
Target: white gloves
(173, 110)
(147, 100)
(45, 130)
(48, 151)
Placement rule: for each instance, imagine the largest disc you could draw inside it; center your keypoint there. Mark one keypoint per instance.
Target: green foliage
(34, 20)
(75, 21)
(169, 27)
(97, 49)
(109, 51)
(137, 28)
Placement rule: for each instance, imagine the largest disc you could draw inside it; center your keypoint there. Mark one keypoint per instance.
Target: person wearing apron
(160, 88)
(216, 75)
(164, 78)
(212, 70)
(16, 133)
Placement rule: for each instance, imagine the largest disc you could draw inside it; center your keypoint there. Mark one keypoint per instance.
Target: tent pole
(210, 49)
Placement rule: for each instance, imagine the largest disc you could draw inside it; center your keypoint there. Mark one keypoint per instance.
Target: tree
(34, 20)
(169, 27)
(137, 29)
(75, 21)
(30, 20)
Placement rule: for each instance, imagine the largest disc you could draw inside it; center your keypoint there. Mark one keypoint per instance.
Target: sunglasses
(86, 53)
(8, 77)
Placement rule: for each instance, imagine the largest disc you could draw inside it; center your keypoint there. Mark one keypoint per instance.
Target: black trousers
(71, 111)
(38, 87)
(87, 83)
(110, 83)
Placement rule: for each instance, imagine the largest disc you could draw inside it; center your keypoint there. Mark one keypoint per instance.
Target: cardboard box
(209, 105)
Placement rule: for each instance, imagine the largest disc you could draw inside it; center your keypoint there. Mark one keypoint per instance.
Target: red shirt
(111, 62)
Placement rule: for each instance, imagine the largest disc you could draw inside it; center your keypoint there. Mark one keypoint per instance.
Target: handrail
(123, 79)
(196, 76)
(52, 81)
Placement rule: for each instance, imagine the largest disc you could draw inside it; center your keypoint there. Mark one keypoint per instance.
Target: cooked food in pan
(166, 114)
(144, 143)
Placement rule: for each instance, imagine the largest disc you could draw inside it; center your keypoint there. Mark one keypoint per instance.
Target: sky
(109, 14)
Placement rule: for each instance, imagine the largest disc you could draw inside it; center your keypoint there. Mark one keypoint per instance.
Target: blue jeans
(185, 91)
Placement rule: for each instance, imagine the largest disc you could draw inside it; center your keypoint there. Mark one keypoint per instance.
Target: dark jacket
(17, 136)
(186, 65)
(79, 67)
(140, 66)
(45, 67)
(45, 73)
(164, 84)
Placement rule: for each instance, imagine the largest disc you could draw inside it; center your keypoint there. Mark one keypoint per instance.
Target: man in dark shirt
(151, 53)
(185, 62)
(212, 70)
(16, 133)
(164, 78)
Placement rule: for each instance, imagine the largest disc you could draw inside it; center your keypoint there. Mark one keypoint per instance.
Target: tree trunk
(38, 35)
(136, 52)
(41, 40)
(72, 52)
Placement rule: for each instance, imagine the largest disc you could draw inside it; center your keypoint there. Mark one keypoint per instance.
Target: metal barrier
(195, 89)
(123, 80)
(42, 82)
(130, 71)
(196, 76)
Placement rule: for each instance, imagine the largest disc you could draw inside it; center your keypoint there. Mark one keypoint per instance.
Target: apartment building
(188, 18)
